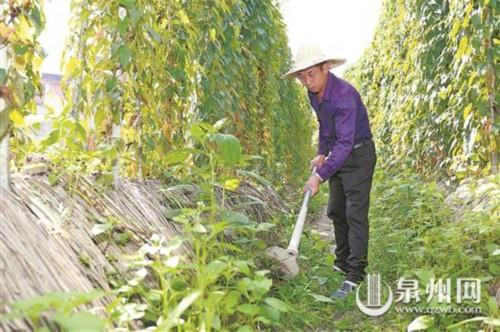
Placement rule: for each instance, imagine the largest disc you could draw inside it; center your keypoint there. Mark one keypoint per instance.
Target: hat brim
(301, 66)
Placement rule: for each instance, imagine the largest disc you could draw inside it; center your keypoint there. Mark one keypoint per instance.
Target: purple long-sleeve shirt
(343, 122)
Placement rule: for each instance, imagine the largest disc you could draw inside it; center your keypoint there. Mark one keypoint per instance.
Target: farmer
(346, 159)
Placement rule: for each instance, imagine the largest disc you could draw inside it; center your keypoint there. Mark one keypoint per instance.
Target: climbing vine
(429, 79)
(139, 73)
(21, 22)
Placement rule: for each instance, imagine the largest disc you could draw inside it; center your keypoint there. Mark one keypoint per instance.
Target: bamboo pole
(491, 83)
(4, 143)
(116, 134)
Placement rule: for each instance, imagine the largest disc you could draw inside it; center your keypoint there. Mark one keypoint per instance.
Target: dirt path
(324, 226)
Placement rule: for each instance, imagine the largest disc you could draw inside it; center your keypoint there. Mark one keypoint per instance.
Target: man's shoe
(338, 269)
(344, 290)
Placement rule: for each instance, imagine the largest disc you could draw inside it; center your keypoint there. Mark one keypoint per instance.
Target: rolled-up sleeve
(345, 125)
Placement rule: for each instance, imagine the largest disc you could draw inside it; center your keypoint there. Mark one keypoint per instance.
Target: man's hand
(318, 161)
(312, 183)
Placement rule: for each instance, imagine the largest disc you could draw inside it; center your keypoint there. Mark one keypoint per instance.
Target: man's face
(314, 78)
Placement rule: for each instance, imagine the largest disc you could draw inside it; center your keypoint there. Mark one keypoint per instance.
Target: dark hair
(321, 64)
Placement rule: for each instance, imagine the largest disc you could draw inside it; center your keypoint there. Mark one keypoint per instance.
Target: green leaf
(277, 304)
(216, 323)
(321, 298)
(177, 156)
(200, 130)
(111, 83)
(99, 116)
(475, 319)
(249, 309)
(154, 35)
(179, 284)
(234, 217)
(220, 124)
(467, 111)
(199, 228)
(52, 138)
(492, 305)
(270, 313)
(20, 49)
(455, 28)
(3, 76)
(127, 3)
(80, 130)
(261, 287)
(421, 323)
(424, 275)
(4, 122)
(255, 176)
(214, 269)
(80, 321)
(124, 55)
(172, 213)
(492, 321)
(53, 178)
(230, 301)
(174, 315)
(122, 28)
(183, 17)
(242, 266)
(100, 228)
(476, 19)
(462, 47)
(135, 15)
(65, 301)
(229, 148)
(37, 18)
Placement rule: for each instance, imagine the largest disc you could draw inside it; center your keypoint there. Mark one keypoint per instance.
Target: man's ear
(326, 67)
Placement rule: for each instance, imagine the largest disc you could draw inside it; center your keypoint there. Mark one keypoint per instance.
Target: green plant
(218, 287)
(85, 260)
(138, 74)
(413, 233)
(21, 22)
(104, 230)
(429, 81)
(58, 309)
(417, 236)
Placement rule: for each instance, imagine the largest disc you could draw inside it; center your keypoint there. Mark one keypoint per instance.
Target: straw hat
(308, 56)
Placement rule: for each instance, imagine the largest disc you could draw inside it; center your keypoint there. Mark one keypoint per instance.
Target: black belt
(362, 143)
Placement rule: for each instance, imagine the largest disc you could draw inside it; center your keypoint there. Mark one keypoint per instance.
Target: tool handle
(299, 225)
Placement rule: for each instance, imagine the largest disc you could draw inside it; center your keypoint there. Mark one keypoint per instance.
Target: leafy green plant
(219, 286)
(418, 236)
(413, 233)
(58, 309)
(104, 230)
(20, 59)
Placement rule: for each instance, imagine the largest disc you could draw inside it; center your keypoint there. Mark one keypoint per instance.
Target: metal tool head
(286, 260)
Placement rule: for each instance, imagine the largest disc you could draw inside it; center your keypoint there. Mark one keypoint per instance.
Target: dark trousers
(348, 208)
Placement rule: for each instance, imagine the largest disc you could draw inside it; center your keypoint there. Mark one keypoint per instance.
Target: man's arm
(345, 123)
